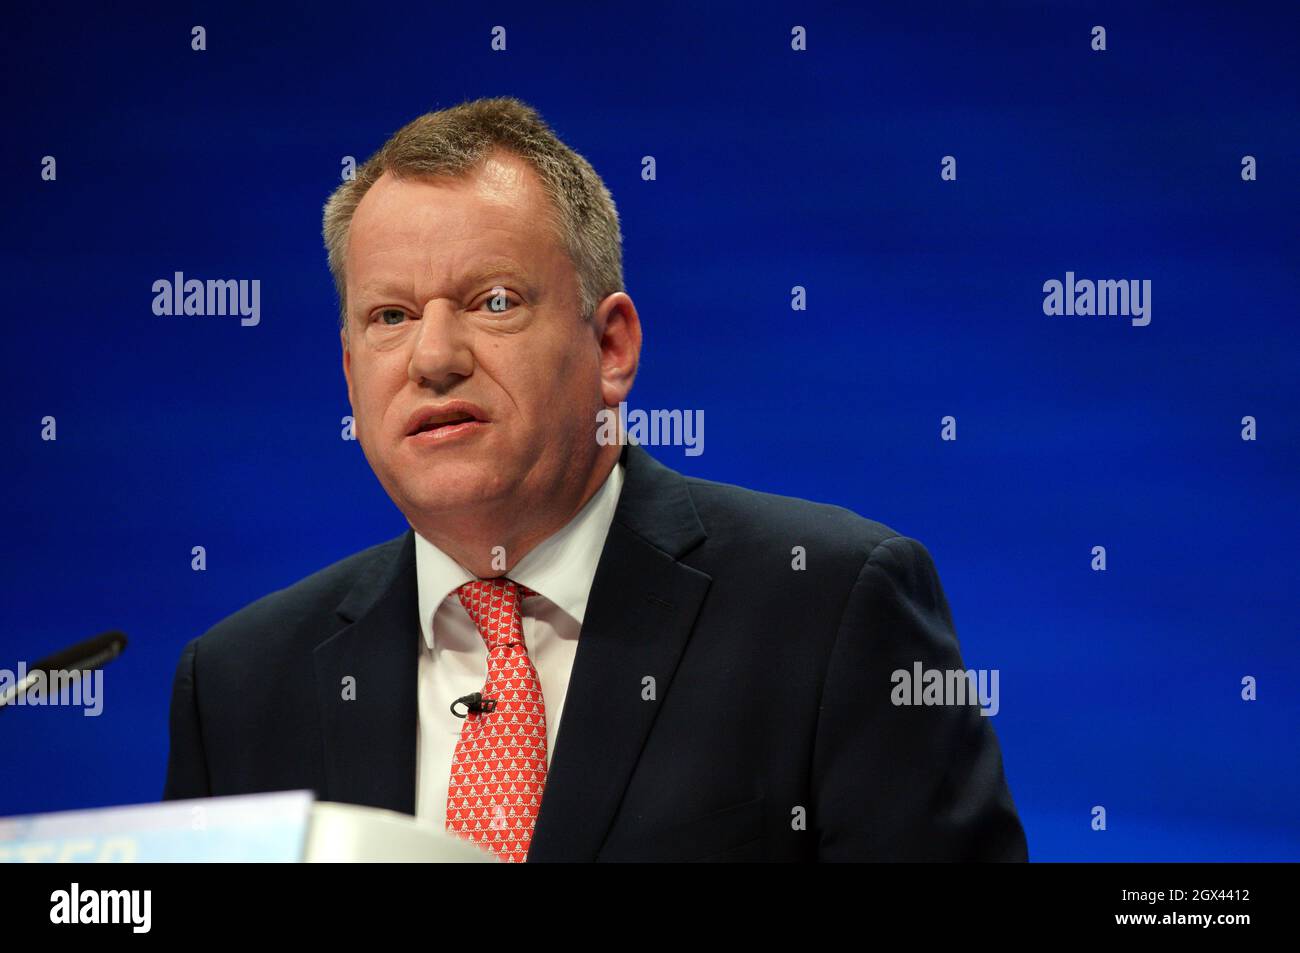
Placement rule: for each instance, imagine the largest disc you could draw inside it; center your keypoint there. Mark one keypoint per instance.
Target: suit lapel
(370, 740)
(639, 616)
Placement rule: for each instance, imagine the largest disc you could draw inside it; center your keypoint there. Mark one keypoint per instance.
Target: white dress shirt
(453, 655)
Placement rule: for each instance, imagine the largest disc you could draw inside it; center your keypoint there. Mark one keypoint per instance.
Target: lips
(433, 423)
(438, 417)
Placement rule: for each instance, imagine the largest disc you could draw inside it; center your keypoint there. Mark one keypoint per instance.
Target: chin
(452, 486)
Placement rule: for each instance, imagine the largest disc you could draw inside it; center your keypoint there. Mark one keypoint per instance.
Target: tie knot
(495, 607)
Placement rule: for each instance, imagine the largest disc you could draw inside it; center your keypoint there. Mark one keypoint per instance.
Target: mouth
(442, 423)
(450, 421)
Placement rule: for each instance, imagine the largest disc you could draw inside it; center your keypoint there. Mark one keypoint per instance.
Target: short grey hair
(454, 142)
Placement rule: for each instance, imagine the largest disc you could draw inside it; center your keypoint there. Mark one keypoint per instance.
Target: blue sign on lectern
(253, 827)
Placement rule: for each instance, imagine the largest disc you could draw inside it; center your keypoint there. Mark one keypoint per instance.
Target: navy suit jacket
(723, 705)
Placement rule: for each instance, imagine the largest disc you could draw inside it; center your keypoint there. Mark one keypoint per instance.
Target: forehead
(501, 208)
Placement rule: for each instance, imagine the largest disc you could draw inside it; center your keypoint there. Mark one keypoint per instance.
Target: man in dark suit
(725, 662)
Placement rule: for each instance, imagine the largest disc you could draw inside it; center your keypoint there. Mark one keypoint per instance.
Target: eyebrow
(479, 273)
(492, 268)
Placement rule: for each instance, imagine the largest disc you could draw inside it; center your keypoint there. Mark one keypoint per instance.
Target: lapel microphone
(474, 703)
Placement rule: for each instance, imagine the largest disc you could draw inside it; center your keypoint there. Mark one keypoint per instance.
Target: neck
(502, 535)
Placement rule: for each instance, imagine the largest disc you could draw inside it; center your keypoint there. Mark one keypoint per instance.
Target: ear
(347, 369)
(618, 334)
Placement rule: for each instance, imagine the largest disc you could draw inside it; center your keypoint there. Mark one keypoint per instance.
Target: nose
(440, 355)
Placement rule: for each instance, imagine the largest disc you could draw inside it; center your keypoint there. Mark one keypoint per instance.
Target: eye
(499, 301)
(389, 317)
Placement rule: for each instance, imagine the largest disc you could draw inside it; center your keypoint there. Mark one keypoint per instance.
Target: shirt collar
(561, 568)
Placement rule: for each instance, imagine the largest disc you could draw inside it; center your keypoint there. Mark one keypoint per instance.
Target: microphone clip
(475, 703)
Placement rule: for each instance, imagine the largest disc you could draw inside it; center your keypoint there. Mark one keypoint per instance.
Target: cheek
(545, 378)
(574, 359)
(566, 380)
(373, 390)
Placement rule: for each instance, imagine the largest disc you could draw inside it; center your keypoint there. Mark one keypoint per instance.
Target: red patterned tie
(499, 769)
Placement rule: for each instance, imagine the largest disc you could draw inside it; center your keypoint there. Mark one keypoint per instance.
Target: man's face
(462, 300)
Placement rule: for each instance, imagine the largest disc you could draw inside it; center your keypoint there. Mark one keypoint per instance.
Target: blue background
(775, 169)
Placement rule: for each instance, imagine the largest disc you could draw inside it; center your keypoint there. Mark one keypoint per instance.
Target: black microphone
(474, 703)
(83, 657)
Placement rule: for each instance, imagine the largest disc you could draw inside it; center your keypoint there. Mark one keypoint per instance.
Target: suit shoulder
(266, 620)
(738, 515)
